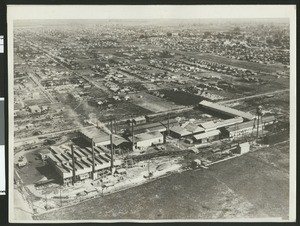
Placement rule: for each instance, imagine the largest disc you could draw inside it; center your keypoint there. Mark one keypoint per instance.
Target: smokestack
(93, 157)
(73, 164)
(132, 131)
(111, 147)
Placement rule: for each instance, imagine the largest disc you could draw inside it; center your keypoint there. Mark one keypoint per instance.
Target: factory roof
(228, 122)
(193, 128)
(146, 136)
(154, 126)
(207, 134)
(99, 136)
(180, 130)
(96, 134)
(208, 125)
(268, 119)
(226, 110)
(240, 126)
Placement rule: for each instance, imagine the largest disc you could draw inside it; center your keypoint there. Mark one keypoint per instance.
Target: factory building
(245, 128)
(228, 122)
(207, 136)
(78, 166)
(153, 127)
(226, 111)
(187, 129)
(101, 138)
(144, 140)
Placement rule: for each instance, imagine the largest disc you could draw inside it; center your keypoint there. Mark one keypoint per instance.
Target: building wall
(147, 143)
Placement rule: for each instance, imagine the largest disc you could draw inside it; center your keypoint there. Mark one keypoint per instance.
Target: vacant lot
(182, 98)
(242, 64)
(153, 103)
(246, 187)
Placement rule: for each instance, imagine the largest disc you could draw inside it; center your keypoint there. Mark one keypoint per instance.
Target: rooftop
(226, 110)
(146, 136)
(207, 134)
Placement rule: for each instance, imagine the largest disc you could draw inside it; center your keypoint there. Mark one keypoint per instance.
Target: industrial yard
(168, 121)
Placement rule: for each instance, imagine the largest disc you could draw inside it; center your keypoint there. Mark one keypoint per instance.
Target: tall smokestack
(93, 157)
(111, 146)
(73, 165)
(132, 131)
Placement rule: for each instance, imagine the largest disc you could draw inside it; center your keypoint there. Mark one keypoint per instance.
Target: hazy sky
(149, 11)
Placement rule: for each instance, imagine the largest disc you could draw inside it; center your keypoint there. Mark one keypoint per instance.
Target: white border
(15, 12)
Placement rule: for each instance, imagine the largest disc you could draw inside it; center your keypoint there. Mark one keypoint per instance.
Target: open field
(242, 64)
(183, 98)
(249, 186)
(153, 103)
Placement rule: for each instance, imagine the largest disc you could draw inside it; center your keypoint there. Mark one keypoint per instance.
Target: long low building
(207, 136)
(226, 110)
(62, 162)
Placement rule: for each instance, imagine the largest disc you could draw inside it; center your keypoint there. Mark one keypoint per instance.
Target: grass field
(255, 185)
(242, 64)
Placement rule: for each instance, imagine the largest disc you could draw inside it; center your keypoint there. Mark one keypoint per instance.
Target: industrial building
(185, 130)
(77, 165)
(242, 129)
(153, 126)
(101, 138)
(227, 111)
(207, 136)
(144, 140)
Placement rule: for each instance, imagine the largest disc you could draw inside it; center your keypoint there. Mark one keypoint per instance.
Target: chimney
(73, 165)
(93, 157)
(111, 147)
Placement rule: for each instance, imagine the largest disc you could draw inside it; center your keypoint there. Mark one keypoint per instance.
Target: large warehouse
(70, 170)
(225, 110)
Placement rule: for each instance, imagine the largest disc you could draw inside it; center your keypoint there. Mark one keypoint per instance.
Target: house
(34, 109)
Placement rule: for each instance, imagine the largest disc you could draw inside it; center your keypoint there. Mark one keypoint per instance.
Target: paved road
(253, 96)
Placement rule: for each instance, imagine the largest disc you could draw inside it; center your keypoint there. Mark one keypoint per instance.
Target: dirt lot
(244, 187)
(153, 103)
